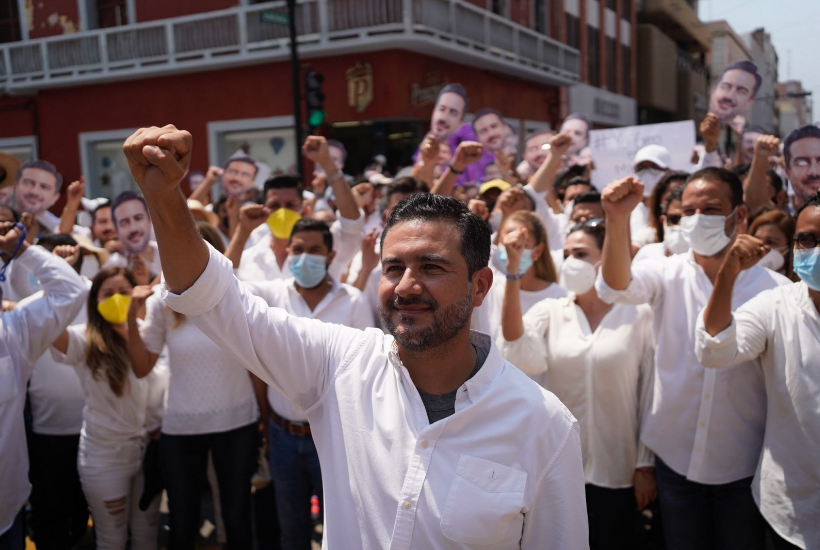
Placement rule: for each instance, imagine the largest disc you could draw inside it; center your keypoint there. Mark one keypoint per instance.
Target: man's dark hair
(723, 176)
(340, 146)
(775, 180)
(576, 180)
(814, 200)
(754, 130)
(104, 204)
(124, 197)
(536, 133)
(587, 198)
(475, 233)
(675, 195)
(53, 240)
(311, 224)
(15, 215)
(742, 169)
(42, 165)
(246, 160)
(808, 131)
(283, 182)
(580, 116)
(484, 111)
(404, 185)
(459, 90)
(746, 66)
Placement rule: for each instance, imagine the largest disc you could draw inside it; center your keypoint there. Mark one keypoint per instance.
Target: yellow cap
(501, 185)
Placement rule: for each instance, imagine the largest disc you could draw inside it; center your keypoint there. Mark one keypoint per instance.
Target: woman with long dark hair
(121, 412)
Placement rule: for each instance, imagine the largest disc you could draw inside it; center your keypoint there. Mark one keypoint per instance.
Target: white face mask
(649, 178)
(673, 239)
(707, 234)
(774, 260)
(577, 275)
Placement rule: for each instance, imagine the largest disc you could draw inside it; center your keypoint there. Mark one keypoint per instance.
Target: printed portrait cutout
(801, 152)
(577, 125)
(238, 176)
(734, 92)
(36, 187)
(132, 222)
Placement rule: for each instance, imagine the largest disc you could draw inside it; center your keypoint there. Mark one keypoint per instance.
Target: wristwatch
(337, 175)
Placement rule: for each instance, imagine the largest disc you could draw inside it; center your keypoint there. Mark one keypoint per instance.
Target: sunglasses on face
(806, 240)
(591, 223)
(673, 219)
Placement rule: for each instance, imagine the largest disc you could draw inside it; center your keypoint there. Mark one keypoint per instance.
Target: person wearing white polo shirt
(25, 334)
(650, 164)
(427, 437)
(782, 327)
(706, 425)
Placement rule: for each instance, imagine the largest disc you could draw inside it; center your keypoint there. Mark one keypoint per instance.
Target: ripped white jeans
(112, 483)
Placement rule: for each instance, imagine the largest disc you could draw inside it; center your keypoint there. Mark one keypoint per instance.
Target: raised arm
(619, 199)
(74, 195)
(203, 192)
(316, 149)
(467, 153)
(158, 159)
(544, 177)
(142, 359)
(251, 216)
(512, 323)
(710, 131)
(424, 168)
(756, 185)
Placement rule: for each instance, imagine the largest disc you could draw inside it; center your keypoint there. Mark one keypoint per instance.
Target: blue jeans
(696, 515)
(294, 467)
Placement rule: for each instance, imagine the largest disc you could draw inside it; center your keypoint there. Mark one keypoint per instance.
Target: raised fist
(710, 130)
(467, 153)
(430, 149)
(158, 158)
(559, 144)
(252, 216)
(767, 146)
(68, 252)
(620, 197)
(479, 208)
(316, 149)
(76, 191)
(745, 252)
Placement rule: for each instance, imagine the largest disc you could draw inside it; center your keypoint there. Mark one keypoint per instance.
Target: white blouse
(208, 390)
(782, 327)
(604, 377)
(109, 420)
(487, 317)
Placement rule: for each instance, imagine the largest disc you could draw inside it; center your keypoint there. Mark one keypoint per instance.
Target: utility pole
(294, 77)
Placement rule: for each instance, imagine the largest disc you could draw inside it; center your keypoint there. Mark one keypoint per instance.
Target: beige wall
(657, 69)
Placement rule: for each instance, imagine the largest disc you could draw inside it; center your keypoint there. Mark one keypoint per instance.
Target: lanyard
(16, 251)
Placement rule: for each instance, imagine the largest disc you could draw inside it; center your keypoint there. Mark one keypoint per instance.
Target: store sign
(602, 106)
(360, 86)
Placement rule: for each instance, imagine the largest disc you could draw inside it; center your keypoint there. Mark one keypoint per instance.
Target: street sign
(275, 17)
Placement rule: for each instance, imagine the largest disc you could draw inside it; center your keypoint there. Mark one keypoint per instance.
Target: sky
(793, 25)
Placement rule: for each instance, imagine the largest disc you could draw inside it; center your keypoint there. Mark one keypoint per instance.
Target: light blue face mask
(309, 270)
(523, 265)
(807, 266)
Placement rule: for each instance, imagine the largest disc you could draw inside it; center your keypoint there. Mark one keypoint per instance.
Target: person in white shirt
(654, 232)
(25, 334)
(673, 241)
(211, 408)
(782, 327)
(267, 258)
(121, 411)
(535, 273)
(598, 359)
(650, 164)
(311, 293)
(413, 429)
(705, 426)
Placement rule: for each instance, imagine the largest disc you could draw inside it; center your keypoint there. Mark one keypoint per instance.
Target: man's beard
(445, 326)
(808, 187)
(131, 249)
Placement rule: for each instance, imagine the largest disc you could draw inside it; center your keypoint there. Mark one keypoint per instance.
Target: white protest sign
(613, 150)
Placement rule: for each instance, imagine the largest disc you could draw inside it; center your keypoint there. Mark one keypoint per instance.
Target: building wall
(51, 17)
(763, 112)
(151, 10)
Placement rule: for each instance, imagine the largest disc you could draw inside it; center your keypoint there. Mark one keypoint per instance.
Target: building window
(500, 7)
(9, 21)
(573, 31)
(24, 147)
(611, 69)
(612, 4)
(626, 67)
(541, 16)
(626, 9)
(593, 54)
(112, 13)
(104, 164)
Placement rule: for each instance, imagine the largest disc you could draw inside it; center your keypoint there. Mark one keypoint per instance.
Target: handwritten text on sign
(614, 150)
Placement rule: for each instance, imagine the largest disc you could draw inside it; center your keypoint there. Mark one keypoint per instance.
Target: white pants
(113, 491)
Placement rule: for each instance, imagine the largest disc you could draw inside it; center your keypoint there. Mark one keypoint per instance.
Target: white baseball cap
(657, 154)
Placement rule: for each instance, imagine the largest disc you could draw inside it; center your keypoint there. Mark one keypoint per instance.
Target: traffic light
(314, 99)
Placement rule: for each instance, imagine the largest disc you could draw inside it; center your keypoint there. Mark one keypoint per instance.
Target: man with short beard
(735, 90)
(801, 151)
(133, 224)
(427, 438)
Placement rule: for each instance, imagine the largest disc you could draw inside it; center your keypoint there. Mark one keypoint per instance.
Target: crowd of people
(468, 352)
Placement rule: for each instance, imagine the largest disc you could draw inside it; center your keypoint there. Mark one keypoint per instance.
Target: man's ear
(307, 209)
(330, 257)
(482, 283)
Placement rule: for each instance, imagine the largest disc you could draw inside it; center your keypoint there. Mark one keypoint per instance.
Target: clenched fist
(559, 144)
(158, 158)
(620, 197)
(710, 130)
(767, 146)
(745, 252)
(467, 153)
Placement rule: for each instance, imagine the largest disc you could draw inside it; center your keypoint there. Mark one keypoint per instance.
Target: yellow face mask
(114, 309)
(281, 223)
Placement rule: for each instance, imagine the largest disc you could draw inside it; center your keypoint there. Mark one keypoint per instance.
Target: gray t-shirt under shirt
(442, 406)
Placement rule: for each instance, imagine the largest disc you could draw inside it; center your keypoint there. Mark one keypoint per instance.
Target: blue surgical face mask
(807, 266)
(309, 270)
(523, 265)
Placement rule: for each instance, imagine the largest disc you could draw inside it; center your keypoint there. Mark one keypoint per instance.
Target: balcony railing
(451, 29)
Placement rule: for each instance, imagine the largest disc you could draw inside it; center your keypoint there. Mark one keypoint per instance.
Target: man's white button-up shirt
(504, 471)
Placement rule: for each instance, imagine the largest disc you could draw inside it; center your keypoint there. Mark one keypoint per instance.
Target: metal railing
(238, 35)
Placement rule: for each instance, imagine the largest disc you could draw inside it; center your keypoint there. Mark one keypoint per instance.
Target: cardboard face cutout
(492, 132)
(35, 191)
(447, 116)
(237, 178)
(133, 225)
(803, 168)
(734, 92)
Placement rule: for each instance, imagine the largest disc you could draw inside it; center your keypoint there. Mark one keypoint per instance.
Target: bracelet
(513, 278)
(454, 171)
(336, 175)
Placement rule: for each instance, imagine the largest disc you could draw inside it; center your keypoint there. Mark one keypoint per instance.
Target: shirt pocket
(484, 504)
(8, 379)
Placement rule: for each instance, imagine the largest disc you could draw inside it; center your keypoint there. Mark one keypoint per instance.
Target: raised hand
(710, 130)
(560, 144)
(158, 158)
(316, 149)
(620, 197)
(363, 193)
(515, 241)
(504, 161)
(68, 252)
(139, 268)
(479, 208)
(767, 146)
(370, 258)
(9, 238)
(429, 150)
(139, 294)
(76, 191)
(252, 216)
(467, 153)
(745, 252)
